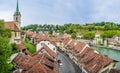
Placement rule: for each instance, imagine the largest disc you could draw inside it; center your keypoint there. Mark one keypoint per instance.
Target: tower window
(16, 19)
(15, 34)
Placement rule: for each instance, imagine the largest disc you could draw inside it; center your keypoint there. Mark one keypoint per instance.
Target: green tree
(50, 32)
(99, 42)
(14, 48)
(5, 52)
(5, 48)
(89, 35)
(73, 35)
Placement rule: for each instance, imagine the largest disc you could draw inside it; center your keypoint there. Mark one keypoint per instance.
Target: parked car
(59, 63)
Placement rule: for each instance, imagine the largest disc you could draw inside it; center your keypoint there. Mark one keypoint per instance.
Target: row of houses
(36, 63)
(80, 52)
(88, 59)
(42, 61)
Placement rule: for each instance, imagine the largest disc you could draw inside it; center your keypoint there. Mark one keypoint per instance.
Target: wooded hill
(107, 29)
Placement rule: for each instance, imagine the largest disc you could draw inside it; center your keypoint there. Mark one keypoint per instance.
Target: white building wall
(49, 44)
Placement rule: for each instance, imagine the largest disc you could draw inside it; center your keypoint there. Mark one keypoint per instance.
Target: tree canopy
(5, 48)
(108, 29)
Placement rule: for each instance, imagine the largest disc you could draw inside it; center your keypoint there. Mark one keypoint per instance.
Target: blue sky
(62, 11)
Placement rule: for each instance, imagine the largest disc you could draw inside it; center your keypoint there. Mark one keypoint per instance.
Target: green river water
(113, 54)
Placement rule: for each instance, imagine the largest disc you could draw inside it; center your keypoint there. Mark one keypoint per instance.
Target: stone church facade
(15, 26)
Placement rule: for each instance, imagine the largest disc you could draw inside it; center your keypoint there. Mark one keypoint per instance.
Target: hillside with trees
(107, 29)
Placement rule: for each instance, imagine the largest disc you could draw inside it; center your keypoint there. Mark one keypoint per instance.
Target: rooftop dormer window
(42, 44)
(50, 67)
(50, 59)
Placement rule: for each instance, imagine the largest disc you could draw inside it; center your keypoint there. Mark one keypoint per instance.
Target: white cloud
(59, 11)
(6, 15)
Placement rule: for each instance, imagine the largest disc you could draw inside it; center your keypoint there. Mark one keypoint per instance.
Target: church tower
(17, 16)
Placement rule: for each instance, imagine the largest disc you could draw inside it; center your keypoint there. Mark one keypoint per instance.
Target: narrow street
(67, 66)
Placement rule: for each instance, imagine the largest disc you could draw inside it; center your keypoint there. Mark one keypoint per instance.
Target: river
(113, 54)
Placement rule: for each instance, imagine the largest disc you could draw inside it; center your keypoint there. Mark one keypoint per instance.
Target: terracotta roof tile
(98, 62)
(114, 71)
(22, 61)
(12, 26)
(53, 54)
(37, 68)
(66, 40)
(44, 65)
(79, 47)
(38, 63)
(93, 61)
(28, 33)
(66, 35)
(21, 46)
(71, 44)
(41, 37)
(87, 55)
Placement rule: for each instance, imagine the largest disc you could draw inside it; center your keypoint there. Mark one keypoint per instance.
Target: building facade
(15, 26)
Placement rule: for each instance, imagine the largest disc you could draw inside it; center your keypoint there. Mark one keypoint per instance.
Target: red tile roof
(22, 61)
(97, 63)
(43, 66)
(87, 50)
(71, 44)
(40, 37)
(114, 71)
(66, 40)
(92, 61)
(38, 63)
(28, 33)
(50, 52)
(79, 47)
(11, 25)
(55, 39)
(66, 35)
(84, 55)
(21, 46)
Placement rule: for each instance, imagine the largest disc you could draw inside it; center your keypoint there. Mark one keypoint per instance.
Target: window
(42, 44)
(53, 48)
(24, 50)
(105, 71)
(15, 34)
(49, 66)
(50, 59)
(16, 19)
(18, 41)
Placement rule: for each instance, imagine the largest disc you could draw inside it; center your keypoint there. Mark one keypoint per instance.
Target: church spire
(17, 8)
(17, 16)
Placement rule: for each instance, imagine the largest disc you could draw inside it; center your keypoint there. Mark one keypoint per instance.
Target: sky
(62, 11)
